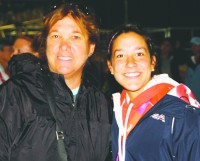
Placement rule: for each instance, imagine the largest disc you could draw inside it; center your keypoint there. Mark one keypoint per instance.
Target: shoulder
(96, 101)
(176, 107)
(93, 93)
(180, 114)
(23, 63)
(20, 85)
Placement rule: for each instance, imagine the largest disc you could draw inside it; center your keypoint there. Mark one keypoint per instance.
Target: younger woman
(155, 118)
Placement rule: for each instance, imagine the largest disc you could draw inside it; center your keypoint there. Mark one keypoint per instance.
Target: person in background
(30, 128)
(194, 59)
(179, 62)
(165, 56)
(5, 55)
(24, 44)
(192, 79)
(155, 118)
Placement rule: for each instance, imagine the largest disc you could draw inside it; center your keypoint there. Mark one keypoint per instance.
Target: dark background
(181, 17)
(150, 13)
(110, 13)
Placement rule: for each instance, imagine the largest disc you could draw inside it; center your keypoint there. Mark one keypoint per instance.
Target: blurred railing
(34, 26)
(25, 28)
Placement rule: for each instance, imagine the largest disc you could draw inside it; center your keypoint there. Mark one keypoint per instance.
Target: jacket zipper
(172, 132)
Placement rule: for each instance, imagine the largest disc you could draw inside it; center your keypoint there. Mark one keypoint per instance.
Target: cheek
(50, 51)
(81, 48)
(50, 44)
(146, 64)
(117, 67)
(52, 47)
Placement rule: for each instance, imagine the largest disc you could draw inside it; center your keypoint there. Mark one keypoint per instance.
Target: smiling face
(68, 48)
(131, 63)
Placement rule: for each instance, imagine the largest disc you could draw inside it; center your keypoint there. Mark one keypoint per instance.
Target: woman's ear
(92, 47)
(110, 66)
(153, 62)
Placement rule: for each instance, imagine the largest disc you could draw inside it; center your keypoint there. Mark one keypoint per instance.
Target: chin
(63, 72)
(132, 87)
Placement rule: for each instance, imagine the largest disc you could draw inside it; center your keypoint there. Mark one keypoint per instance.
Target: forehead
(67, 22)
(21, 41)
(129, 39)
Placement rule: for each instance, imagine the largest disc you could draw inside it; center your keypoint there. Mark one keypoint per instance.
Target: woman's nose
(65, 44)
(131, 61)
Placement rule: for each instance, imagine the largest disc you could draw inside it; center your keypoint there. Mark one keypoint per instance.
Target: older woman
(56, 113)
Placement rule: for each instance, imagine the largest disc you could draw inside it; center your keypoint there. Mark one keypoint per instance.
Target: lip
(64, 58)
(132, 74)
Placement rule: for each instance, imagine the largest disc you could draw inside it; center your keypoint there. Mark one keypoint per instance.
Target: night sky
(149, 13)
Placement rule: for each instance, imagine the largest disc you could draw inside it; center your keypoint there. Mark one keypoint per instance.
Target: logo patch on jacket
(157, 116)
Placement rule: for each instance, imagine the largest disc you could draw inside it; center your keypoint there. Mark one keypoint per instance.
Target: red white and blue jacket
(169, 131)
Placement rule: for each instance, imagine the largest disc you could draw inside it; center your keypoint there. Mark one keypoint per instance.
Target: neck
(73, 82)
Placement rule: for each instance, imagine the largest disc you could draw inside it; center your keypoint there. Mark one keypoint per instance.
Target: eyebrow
(73, 31)
(140, 48)
(117, 50)
(137, 48)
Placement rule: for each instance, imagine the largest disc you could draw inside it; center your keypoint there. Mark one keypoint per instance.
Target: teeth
(131, 74)
(64, 58)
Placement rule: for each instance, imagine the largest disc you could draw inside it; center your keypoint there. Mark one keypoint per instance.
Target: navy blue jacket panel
(168, 132)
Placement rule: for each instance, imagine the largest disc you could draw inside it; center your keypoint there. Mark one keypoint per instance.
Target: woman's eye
(140, 54)
(55, 36)
(119, 56)
(76, 37)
